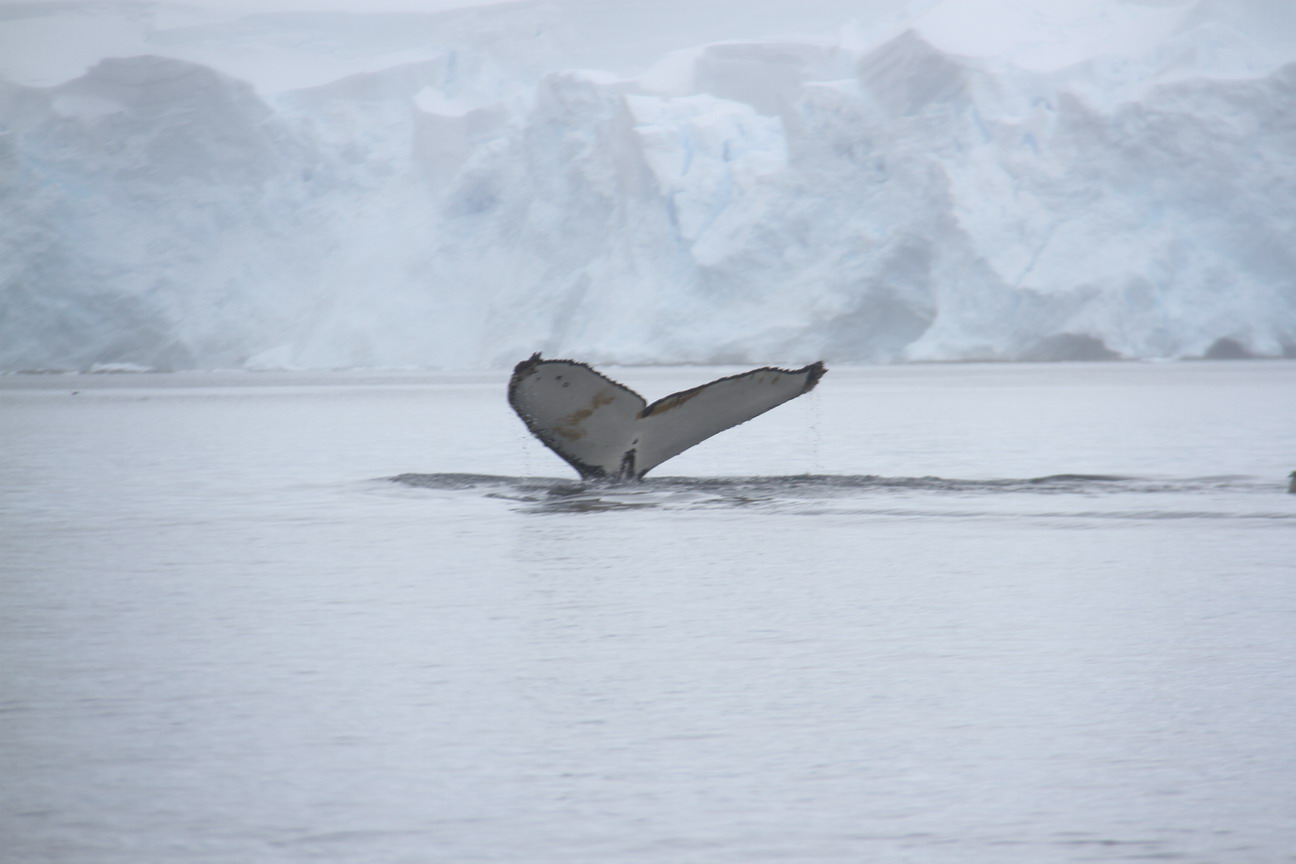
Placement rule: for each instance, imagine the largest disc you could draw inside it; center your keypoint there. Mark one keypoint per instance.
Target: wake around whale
(606, 431)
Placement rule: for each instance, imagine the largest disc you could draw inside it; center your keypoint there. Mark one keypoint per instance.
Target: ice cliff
(1101, 179)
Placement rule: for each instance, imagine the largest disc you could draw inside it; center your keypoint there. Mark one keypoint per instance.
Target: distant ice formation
(185, 188)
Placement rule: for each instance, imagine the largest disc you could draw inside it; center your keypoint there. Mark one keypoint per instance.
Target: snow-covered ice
(952, 614)
(200, 187)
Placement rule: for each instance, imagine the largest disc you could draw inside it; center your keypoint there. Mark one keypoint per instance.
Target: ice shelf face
(451, 190)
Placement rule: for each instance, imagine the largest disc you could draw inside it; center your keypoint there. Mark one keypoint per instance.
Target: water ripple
(1086, 496)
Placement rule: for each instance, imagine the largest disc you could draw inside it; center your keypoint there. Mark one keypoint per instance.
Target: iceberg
(202, 189)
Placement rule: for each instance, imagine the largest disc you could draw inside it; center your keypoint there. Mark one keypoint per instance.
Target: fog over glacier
(209, 186)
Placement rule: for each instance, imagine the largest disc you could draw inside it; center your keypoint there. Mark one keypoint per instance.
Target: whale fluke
(606, 431)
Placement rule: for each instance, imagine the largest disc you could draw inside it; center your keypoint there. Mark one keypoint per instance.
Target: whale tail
(606, 431)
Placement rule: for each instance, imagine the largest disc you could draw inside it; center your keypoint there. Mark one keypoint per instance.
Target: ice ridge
(883, 193)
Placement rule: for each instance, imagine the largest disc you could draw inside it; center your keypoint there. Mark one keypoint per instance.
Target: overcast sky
(300, 5)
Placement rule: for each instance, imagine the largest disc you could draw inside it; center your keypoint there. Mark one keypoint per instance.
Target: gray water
(925, 614)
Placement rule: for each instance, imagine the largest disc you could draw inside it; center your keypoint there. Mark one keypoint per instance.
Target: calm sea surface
(986, 614)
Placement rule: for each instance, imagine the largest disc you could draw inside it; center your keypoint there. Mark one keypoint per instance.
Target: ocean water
(973, 613)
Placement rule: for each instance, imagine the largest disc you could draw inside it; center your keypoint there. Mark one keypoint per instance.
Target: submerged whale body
(606, 431)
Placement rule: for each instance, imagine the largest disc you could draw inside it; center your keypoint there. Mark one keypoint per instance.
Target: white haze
(197, 187)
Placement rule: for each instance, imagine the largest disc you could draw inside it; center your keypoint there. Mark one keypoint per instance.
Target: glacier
(192, 187)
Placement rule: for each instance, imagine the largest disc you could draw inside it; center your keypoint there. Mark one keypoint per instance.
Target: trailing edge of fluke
(606, 431)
